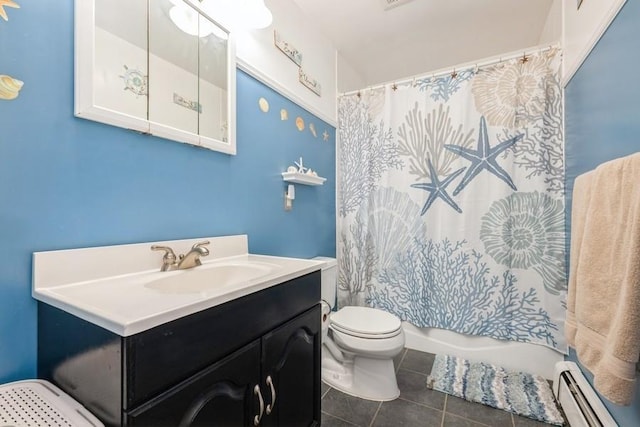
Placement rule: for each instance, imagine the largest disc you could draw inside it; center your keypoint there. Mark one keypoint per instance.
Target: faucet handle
(200, 244)
(169, 257)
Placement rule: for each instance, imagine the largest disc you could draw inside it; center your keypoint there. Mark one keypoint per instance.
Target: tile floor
(416, 406)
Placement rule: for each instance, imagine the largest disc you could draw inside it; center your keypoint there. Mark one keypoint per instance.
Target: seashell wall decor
(263, 104)
(9, 87)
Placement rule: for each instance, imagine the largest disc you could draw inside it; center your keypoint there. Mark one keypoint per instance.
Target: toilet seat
(365, 322)
(370, 348)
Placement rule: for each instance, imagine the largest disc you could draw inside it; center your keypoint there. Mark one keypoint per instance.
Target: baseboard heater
(581, 405)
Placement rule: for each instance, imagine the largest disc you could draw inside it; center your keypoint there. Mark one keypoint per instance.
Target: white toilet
(359, 344)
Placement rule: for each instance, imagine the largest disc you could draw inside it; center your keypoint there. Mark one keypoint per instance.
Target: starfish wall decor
(7, 3)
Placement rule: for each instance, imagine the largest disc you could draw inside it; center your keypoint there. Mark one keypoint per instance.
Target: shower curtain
(450, 200)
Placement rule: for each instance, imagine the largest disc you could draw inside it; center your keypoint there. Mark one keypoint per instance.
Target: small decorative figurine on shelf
(300, 165)
(301, 169)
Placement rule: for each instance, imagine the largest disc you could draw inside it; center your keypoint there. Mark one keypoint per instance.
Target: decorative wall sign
(300, 123)
(284, 115)
(7, 3)
(325, 135)
(192, 105)
(286, 48)
(310, 83)
(9, 87)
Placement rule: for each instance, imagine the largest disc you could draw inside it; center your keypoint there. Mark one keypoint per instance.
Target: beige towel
(603, 303)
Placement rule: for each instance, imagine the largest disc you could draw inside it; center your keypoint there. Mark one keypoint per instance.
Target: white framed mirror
(162, 67)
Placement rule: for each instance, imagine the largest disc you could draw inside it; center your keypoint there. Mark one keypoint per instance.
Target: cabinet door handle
(257, 418)
(273, 395)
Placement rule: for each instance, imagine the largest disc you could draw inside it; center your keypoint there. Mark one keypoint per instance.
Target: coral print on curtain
(450, 201)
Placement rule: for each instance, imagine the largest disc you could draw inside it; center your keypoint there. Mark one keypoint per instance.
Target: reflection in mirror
(162, 67)
(120, 75)
(213, 82)
(173, 67)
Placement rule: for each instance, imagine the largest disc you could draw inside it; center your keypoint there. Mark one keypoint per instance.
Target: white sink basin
(122, 289)
(210, 277)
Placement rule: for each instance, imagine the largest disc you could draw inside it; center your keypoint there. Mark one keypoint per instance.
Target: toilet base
(370, 379)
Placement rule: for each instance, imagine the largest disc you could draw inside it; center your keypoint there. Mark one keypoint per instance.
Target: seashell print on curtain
(450, 201)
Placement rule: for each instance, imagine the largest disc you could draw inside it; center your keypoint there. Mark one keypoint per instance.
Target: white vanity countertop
(125, 304)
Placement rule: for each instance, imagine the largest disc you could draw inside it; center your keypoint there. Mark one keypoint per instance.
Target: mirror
(162, 67)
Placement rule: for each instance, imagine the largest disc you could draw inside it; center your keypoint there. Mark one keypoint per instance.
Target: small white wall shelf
(302, 178)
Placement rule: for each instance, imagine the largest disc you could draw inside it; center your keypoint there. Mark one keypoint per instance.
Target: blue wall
(602, 119)
(67, 182)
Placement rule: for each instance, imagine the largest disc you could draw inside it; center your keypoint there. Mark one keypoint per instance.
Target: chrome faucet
(189, 260)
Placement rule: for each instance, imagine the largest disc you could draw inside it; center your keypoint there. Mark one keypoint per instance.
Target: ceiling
(420, 36)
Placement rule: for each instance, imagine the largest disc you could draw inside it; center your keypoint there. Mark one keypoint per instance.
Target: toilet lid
(365, 321)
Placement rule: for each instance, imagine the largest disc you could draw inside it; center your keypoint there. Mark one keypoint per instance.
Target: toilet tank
(329, 279)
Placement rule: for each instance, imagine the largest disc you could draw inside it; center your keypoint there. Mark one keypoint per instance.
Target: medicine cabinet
(162, 67)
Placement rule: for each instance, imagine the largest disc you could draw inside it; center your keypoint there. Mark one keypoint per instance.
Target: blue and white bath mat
(517, 392)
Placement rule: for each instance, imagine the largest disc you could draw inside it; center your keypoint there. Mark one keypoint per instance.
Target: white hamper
(40, 403)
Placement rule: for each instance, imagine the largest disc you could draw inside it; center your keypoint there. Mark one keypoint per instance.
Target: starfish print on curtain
(483, 157)
(437, 188)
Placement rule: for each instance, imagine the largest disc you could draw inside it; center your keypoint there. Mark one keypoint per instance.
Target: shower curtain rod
(465, 66)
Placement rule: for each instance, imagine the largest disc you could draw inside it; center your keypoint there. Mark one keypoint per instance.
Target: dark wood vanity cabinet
(220, 395)
(287, 354)
(251, 361)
